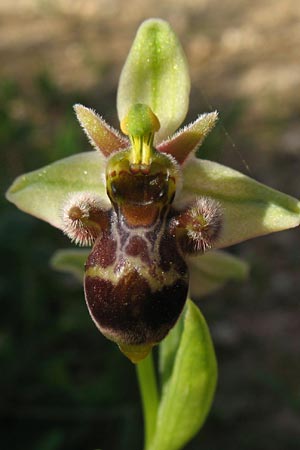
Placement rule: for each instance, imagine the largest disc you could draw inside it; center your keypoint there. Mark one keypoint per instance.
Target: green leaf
(70, 261)
(210, 271)
(167, 351)
(189, 391)
(250, 208)
(156, 74)
(43, 192)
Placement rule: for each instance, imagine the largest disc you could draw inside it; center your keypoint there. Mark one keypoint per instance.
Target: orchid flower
(151, 209)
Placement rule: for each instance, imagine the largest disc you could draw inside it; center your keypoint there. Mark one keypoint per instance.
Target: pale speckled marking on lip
(158, 279)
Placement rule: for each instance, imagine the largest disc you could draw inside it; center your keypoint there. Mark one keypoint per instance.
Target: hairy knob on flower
(83, 217)
(198, 226)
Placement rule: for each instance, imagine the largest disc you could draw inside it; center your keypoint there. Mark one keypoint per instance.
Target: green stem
(149, 393)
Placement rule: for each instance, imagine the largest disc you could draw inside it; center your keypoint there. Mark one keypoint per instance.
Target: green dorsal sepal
(140, 124)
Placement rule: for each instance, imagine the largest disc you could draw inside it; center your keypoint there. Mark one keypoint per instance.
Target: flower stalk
(149, 394)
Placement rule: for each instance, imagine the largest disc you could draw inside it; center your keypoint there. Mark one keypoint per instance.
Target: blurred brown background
(63, 386)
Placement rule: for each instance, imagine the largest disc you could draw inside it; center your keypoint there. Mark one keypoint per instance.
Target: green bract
(189, 386)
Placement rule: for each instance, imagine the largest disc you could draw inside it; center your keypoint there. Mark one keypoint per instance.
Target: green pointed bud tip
(140, 121)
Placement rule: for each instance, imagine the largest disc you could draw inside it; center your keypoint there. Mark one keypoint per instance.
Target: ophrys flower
(146, 202)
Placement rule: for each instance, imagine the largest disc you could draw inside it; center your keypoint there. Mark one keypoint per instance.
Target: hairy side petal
(187, 140)
(101, 135)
